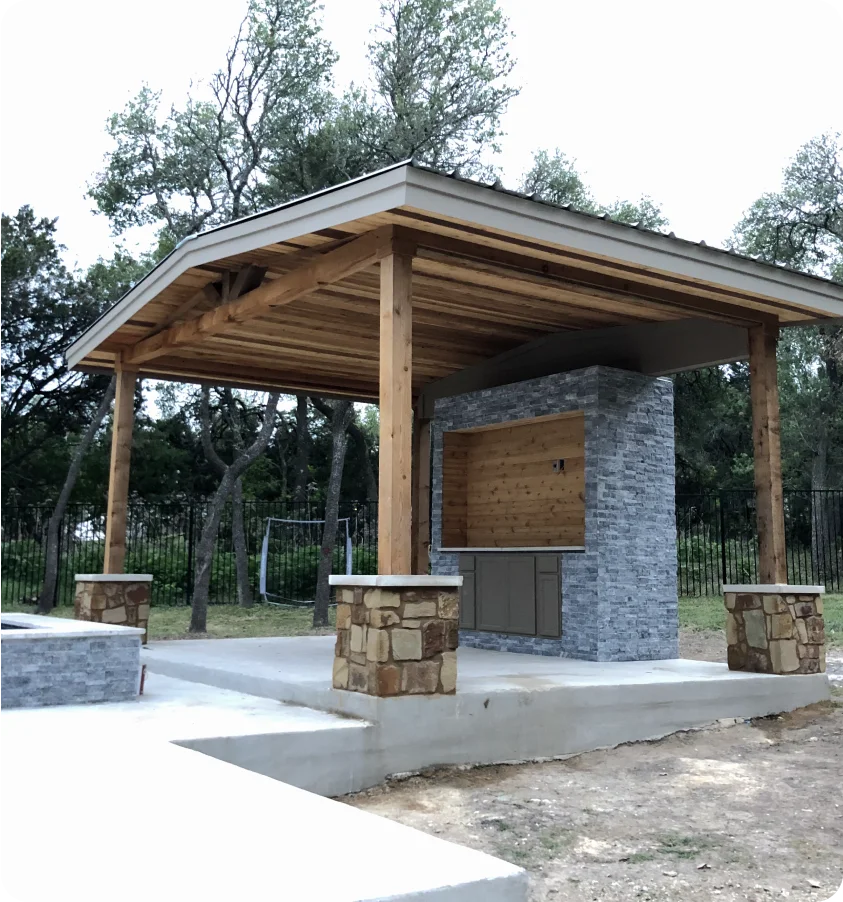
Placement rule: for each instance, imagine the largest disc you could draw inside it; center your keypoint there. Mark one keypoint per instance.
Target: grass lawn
(710, 614)
(224, 621)
(230, 622)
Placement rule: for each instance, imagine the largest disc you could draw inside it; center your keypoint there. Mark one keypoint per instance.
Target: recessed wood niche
(500, 488)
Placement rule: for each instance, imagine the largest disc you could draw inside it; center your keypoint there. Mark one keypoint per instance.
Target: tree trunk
(205, 551)
(241, 553)
(362, 443)
(343, 411)
(302, 463)
(51, 563)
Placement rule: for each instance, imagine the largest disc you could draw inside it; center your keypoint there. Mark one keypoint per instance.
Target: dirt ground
(746, 811)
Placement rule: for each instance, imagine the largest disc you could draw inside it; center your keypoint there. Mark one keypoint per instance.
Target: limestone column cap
(113, 577)
(775, 589)
(395, 582)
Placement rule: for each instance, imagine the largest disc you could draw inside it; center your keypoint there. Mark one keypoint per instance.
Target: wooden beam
(421, 495)
(766, 439)
(118, 473)
(310, 276)
(510, 271)
(396, 416)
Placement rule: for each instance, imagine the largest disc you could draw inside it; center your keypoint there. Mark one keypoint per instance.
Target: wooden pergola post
(421, 496)
(766, 439)
(396, 415)
(118, 474)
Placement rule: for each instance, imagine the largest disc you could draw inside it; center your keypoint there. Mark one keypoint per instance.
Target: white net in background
(290, 559)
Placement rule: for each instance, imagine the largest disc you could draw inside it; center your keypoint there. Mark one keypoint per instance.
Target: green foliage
(554, 178)
(441, 80)
(801, 226)
(712, 430)
(44, 404)
(266, 126)
(206, 162)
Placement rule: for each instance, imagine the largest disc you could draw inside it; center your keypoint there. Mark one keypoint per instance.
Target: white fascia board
(332, 208)
(529, 219)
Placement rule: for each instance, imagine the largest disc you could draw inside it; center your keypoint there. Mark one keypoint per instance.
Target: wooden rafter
(509, 271)
(310, 276)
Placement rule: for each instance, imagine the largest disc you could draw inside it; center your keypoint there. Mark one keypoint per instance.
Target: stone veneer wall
(775, 632)
(619, 596)
(120, 603)
(397, 641)
(70, 670)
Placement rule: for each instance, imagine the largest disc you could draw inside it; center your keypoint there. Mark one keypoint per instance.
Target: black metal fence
(162, 539)
(716, 543)
(717, 540)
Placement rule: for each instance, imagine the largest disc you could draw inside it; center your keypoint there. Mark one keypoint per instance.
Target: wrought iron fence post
(57, 586)
(189, 581)
(724, 579)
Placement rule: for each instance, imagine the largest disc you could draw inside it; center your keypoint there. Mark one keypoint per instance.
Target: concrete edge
(397, 582)
(775, 588)
(38, 626)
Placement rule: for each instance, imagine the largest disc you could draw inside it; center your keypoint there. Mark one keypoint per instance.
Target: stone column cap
(113, 577)
(775, 589)
(395, 582)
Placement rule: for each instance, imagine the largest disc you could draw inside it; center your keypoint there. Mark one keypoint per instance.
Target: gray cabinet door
(468, 594)
(511, 593)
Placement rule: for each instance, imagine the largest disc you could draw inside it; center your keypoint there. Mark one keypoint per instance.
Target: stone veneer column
(121, 599)
(775, 628)
(397, 635)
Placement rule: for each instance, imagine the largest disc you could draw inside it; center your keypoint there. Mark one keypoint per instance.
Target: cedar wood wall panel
(500, 491)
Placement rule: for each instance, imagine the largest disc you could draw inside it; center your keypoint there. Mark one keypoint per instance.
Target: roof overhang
(482, 217)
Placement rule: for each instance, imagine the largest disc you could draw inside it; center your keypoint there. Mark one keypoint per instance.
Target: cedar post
(118, 474)
(421, 496)
(766, 440)
(396, 416)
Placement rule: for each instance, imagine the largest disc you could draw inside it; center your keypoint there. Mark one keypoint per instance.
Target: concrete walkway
(130, 815)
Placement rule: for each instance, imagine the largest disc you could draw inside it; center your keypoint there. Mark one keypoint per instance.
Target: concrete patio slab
(508, 707)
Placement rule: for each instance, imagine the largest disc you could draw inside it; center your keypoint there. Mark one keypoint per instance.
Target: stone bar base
(775, 628)
(121, 599)
(397, 635)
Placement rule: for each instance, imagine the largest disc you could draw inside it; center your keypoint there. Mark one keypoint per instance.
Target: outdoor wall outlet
(558, 466)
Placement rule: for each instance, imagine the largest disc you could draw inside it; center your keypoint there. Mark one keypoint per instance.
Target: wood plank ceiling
(476, 293)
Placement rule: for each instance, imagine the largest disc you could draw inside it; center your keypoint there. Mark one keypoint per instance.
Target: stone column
(397, 635)
(121, 599)
(775, 628)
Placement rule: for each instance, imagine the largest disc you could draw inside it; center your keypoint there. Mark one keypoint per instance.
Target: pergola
(407, 285)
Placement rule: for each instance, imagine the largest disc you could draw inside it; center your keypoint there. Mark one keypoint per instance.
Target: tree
(51, 552)
(206, 162)
(303, 442)
(554, 177)
(342, 413)
(44, 307)
(801, 226)
(230, 410)
(441, 73)
(210, 528)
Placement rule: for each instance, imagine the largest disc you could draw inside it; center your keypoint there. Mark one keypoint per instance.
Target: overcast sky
(699, 105)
